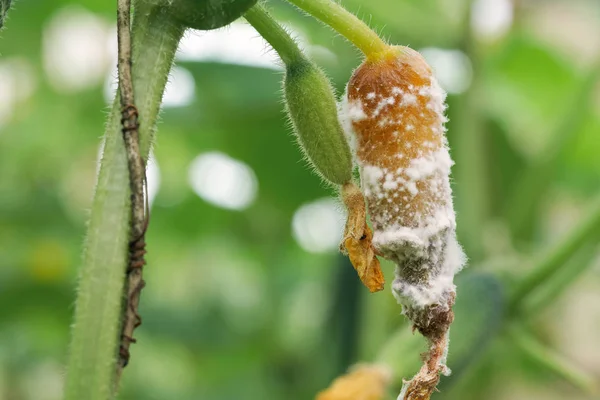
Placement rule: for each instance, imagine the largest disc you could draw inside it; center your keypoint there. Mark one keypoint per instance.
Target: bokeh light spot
(491, 18)
(152, 178)
(179, 92)
(17, 84)
(241, 44)
(318, 226)
(452, 68)
(75, 51)
(223, 181)
(238, 44)
(181, 88)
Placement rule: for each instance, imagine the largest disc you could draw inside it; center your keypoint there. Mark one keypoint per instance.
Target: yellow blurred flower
(48, 261)
(362, 382)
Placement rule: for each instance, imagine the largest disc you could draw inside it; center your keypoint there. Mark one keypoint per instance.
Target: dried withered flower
(393, 112)
(358, 239)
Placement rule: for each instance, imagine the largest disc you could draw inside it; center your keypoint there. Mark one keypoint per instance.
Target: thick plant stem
(346, 24)
(278, 38)
(91, 368)
(556, 258)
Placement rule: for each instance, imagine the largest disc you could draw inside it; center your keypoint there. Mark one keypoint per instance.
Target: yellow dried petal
(358, 240)
(362, 257)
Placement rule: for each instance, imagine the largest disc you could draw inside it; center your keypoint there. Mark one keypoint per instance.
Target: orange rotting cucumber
(393, 113)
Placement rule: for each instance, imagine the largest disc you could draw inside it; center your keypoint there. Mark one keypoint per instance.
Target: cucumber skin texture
(312, 109)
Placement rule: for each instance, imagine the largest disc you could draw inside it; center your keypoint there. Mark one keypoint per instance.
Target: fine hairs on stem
(312, 109)
(285, 46)
(346, 24)
(4, 6)
(98, 319)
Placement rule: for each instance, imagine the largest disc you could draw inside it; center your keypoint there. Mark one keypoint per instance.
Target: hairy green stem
(555, 259)
(551, 360)
(346, 24)
(4, 6)
(278, 38)
(310, 102)
(95, 336)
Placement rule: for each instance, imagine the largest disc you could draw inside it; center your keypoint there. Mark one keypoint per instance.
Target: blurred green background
(246, 296)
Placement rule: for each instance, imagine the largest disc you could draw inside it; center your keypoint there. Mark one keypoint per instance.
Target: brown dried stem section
(358, 239)
(424, 383)
(137, 179)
